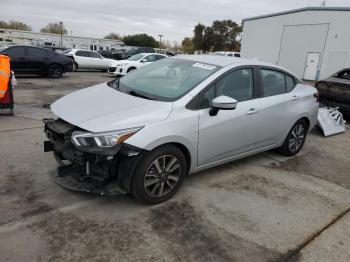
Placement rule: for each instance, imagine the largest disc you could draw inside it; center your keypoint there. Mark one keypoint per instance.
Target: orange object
(5, 73)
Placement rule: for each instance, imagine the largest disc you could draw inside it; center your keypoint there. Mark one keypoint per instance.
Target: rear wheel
(159, 175)
(55, 71)
(295, 139)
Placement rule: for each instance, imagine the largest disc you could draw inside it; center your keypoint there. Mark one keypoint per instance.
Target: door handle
(295, 98)
(252, 111)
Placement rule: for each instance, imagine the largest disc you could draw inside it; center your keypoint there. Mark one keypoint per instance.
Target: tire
(155, 183)
(55, 71)
(131, 69)
(75, 67)
(297, 134)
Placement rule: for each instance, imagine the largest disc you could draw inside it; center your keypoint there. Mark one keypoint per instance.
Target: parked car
(131, 51)
(84, 59)
(225, 53)
(37, 60)
(112, 54)
(56, 49)
(335, 91)
(123, 67)
(148, 130)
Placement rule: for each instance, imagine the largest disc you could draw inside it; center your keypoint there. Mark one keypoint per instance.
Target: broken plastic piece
(330, 121)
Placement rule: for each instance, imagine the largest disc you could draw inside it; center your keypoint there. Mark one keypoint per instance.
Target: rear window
(273, 82)
(15, 51)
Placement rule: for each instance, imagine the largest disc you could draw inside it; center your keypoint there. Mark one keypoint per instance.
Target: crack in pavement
(294, 253)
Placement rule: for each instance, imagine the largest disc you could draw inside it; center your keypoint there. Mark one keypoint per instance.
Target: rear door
(278, 107)
(37, 59)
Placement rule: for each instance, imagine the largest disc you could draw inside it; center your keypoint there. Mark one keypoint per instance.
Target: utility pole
(160, 43)
(61, 27)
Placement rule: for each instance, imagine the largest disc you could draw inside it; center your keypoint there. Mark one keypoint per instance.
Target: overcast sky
(174, 19)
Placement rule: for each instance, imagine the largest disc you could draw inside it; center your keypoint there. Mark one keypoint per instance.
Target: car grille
(111, 69)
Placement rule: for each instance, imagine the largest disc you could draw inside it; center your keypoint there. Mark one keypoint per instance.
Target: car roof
(229, 60)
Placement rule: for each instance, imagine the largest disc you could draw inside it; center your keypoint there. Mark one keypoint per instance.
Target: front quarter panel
(180, 127)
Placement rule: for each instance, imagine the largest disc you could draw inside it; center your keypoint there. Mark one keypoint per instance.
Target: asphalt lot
(263, 208)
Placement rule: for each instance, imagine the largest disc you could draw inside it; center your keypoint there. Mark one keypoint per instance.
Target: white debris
(331, 121)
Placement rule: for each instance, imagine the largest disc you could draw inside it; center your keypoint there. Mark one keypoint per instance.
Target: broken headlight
(104, 142)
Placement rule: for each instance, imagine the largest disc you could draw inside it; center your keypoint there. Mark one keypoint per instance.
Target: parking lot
(264, 207)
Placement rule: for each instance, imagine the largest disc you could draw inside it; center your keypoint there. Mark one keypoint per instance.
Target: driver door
(230, 132)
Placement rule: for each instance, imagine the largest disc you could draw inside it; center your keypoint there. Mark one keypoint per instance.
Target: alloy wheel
(296, 138)
(162, 176)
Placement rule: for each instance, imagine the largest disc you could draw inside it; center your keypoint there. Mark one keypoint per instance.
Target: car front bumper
(88, 172)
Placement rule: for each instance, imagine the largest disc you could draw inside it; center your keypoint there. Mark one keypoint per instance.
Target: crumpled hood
(101, 108)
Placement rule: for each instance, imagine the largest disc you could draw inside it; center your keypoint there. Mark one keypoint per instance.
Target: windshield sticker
(205, 66)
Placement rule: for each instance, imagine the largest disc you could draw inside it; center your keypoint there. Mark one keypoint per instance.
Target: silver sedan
(148, 130)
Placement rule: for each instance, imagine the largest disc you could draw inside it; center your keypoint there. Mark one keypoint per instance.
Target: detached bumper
(88, 172)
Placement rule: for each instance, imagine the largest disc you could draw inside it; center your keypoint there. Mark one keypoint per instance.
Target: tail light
(317, 96)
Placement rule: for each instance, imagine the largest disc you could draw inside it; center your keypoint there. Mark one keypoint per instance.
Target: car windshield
(167, 79)
(136, 57)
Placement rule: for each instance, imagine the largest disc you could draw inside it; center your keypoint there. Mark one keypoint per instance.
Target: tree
(114, 36)
(198, 36)
(225, 35)
(16, 25)
(221, 35)
(140, 40)
(54, 28)
(187, 45)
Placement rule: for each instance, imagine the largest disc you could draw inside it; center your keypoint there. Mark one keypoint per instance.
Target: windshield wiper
(134, 93)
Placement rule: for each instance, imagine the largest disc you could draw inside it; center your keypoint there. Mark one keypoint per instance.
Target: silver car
(145, 132)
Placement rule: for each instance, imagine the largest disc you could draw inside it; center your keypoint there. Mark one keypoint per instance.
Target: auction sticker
(205, 66)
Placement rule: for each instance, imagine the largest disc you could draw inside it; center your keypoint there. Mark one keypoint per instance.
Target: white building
(10, 37)
(312, 42)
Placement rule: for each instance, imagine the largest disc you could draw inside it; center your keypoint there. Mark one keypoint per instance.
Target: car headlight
(104, 142)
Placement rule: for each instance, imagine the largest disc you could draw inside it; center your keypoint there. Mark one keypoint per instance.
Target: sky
(175, 19)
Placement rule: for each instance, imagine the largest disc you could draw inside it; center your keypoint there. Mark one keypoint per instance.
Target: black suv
(36, 60)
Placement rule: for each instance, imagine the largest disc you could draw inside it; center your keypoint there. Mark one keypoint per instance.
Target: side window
(290, 83)
(160, 57)
(273, 82)
(82, 53)
(237, 55)
(206, 97)
(36, 52)
(15, 51)
(94, 55)
(238, 84)
(150, 58)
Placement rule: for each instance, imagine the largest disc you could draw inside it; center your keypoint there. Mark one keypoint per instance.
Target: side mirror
(222, 103)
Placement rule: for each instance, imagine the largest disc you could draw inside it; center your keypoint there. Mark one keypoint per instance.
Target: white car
(84, 59)
(225, 53)
(146, 131)
(122, 67)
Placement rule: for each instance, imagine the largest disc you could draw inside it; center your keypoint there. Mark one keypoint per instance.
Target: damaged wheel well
(306, 120)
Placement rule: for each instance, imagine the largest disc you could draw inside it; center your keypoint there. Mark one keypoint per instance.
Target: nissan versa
(143, 133)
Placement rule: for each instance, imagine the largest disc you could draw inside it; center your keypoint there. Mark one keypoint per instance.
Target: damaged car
(144, 133)
(335, 91)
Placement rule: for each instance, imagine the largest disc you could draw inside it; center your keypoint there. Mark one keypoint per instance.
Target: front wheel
(159, 175)
(295, 139)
